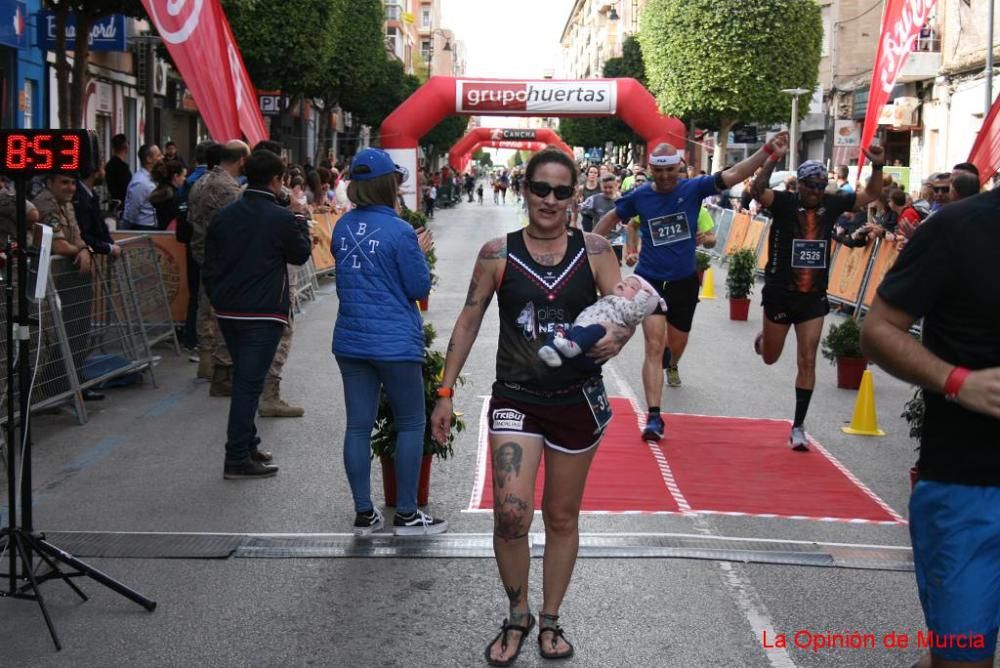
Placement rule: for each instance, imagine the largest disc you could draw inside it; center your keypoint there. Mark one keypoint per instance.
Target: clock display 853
(30, 152)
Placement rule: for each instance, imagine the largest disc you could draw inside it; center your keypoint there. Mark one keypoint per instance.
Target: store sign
(597, 97)
(107, 34)
(846, 133)
(13, 24)
(270, 103)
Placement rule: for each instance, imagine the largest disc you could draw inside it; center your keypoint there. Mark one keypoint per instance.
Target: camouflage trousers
(210, 339)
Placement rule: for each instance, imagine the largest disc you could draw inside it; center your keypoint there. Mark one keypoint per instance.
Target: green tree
(725, 61)
(443, 136)
(595, 132)
(483, 158)
(71, 80)
(359, 61)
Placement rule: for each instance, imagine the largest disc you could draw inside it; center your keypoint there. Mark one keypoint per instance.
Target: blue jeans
(252, 344)
(404, 386)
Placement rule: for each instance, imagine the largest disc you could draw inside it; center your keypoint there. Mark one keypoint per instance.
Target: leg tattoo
(506, 463)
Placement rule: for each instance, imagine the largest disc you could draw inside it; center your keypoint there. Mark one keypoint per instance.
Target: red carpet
(734, 465)
(623, 477)
(713, 465)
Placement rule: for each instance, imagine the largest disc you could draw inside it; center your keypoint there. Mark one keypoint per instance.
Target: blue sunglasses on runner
(542, 189)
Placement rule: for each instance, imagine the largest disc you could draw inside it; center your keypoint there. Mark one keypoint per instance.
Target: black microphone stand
(22, 542)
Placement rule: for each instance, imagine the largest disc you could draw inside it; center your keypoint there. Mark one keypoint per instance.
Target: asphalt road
(151, 460)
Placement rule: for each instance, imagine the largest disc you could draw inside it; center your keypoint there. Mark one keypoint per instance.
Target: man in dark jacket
(247, 248)
(89, 216)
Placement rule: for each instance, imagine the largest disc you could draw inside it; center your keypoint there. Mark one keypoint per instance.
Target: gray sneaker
(797, 439)
(673, 376)
(366, 524)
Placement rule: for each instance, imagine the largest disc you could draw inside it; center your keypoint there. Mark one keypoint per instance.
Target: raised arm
(759, 189)
(484, 283)
(875, 155)
(746, 168)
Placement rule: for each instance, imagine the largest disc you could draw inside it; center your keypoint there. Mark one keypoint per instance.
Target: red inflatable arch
(459, 163)
(441, 97)
(467, 144)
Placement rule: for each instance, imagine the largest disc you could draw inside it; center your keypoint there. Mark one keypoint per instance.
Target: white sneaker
(797, 439)
(418, 523)
(566, 346)
(549, 355)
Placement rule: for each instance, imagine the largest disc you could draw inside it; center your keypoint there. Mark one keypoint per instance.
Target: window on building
(425, 17)
(393, 12)
(827, 17)
(425, 49)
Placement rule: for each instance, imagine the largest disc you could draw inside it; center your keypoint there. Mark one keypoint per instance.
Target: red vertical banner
(985, 153)
(247, 109)
(197, 35)
(901, 25)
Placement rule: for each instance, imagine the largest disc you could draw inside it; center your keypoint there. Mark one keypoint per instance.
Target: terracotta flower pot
(424, 303)
(849, 372)
(701, 277)
(739, 308)
(389, 480)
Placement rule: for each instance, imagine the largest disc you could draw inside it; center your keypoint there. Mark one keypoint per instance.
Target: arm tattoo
(762, 180)
(451, 345)
(470, 299)
(596, 244)
(495, 249)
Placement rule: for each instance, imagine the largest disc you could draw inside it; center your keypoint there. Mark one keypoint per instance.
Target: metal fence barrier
(94, 327)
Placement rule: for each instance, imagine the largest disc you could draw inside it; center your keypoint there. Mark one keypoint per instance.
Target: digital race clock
(30, 152)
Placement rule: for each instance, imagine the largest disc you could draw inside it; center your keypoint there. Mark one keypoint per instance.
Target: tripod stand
(21, 542)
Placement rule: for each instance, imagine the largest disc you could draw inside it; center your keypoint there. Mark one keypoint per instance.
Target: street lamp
(430, 54)
(613, 15)
(793, 158)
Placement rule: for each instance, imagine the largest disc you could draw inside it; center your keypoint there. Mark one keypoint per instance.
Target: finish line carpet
(709, 464)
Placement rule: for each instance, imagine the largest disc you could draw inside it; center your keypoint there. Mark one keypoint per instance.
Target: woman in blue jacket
(378, 339)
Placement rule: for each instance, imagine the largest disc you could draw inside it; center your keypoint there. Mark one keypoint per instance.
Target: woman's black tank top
(534, 300)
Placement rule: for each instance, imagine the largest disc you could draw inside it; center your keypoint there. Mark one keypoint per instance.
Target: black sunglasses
(942, 189)
(542, 189)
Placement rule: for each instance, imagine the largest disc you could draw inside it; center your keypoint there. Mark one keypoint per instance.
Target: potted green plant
(913, 413)
(842, 346)
(702, 261)
(418, 221)
(384, 432)
(739, 282)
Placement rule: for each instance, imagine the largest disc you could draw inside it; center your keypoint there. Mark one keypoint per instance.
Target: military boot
(222, 381)
(272, 405)
(204, 364)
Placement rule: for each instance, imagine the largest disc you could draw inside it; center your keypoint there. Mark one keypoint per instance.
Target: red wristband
(774, 157)
(446, 392)
(768, 149)
(953, 385)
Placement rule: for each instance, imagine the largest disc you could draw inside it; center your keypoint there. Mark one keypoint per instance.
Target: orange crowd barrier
(737, 233)
(173, 267)
(322, 254)
(755, 232)
(848, 273)
(885, 257)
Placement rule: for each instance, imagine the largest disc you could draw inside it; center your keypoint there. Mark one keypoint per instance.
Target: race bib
(597, 399)
(808, 254)
(669, 229)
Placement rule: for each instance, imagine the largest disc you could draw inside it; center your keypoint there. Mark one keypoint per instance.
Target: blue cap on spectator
(372, 163)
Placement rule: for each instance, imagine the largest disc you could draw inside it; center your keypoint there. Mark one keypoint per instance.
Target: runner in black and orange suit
(798, 266)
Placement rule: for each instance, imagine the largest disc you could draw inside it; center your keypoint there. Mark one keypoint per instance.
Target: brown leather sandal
(557, 632)
(502, 637)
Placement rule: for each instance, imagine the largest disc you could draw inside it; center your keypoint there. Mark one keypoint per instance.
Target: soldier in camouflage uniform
(218, 188)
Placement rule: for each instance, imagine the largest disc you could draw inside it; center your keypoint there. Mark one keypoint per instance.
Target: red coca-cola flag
(985, 153)
(901, 25)
(197, 35)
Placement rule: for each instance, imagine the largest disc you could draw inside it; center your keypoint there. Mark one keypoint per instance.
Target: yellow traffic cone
(707, 286)
(865, 422)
